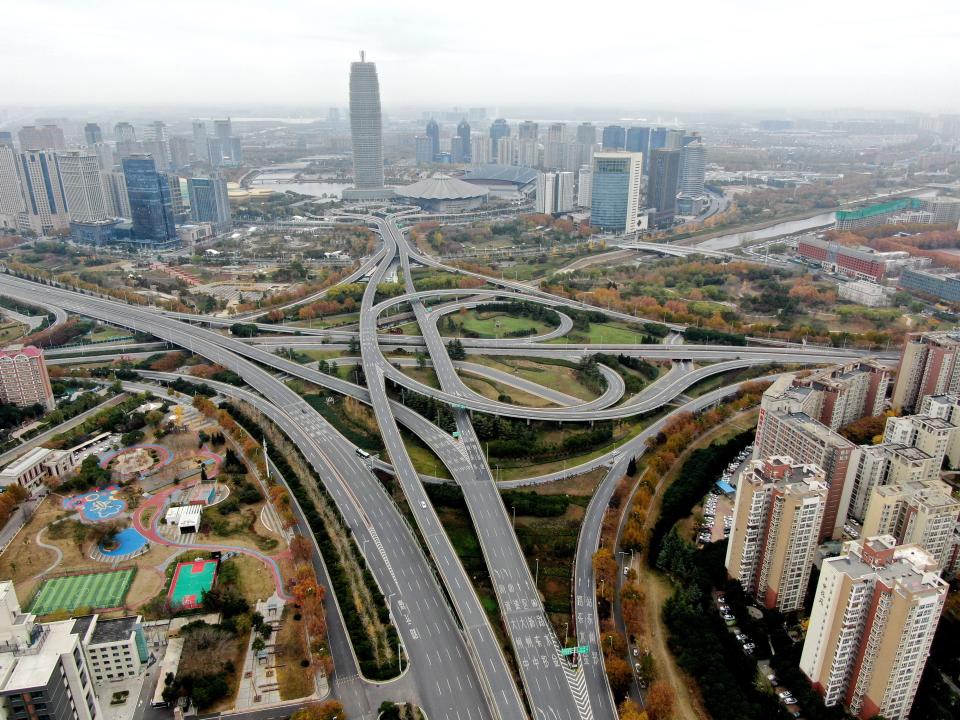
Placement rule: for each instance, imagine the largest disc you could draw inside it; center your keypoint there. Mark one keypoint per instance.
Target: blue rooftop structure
(726, 488)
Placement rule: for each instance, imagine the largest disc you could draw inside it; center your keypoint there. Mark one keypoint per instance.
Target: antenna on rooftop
(363, 56)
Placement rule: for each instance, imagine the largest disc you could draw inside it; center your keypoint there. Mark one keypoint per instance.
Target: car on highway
(423, 504)
(786, 697)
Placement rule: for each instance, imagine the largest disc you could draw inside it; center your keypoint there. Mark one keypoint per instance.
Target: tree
(455, 350)
(327, 710)
(629, 710)
(632, 467)
(660, 701)
(258, 644)
(421, 359)
(620, 675)
(353, 346)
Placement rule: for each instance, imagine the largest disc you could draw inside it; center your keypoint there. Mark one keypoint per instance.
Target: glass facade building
(151, 202)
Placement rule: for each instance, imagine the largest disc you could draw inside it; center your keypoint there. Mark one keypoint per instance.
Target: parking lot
(717, 507)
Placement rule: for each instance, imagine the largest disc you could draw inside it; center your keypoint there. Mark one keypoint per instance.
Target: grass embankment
(559, 375)
(612, 332)
(293, 679)
(473, 323)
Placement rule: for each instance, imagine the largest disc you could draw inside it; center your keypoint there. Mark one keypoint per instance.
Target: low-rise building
(116, 649)
(864, 292)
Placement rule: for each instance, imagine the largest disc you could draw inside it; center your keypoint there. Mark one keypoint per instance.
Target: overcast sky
(628, 54)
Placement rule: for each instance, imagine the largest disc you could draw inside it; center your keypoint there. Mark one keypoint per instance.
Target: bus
(363, 453)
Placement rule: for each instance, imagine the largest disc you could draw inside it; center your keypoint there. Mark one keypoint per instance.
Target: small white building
(864, 292)
(185, 517)
(30, 470)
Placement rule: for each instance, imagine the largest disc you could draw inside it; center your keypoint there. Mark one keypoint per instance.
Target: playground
(90, 590)
(190, 581)
(97, 505)
(124, 544)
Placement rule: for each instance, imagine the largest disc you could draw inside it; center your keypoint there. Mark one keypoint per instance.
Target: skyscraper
(151, 205)
(117, 197)
(44, 137)
(209, 201)
(638, 139)
(528, 130)
(658, 138)
(424, 150)
(546, 192)
(874, 615)
(433, 133)
(585, 187)
(776, 518)
(614, 137)
(615, 201)
(46, 209)
(507, 150)
(586, 133)
(480, 148)
(124, 132)
(6, 138)
(499, 129)
(11, 196)
(365, 125)
(662, 188)
(82, 186)
(92, 134)
(23, 378)
(201, 148)
(463, 132)
(693, 167)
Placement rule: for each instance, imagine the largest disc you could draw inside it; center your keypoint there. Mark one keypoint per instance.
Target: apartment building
(886, 464)
(876, 609)
(932, 435)
(920, 513)
(776, 521)
(116, 649)
(946, 407)
(809, 442)
(928, 366)
(23, 378)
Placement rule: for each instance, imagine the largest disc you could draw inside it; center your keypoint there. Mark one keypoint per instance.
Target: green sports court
(190, 581)
(93, 590)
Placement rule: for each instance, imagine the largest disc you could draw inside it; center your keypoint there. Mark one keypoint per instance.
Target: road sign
(580, 650)
(568, 651)
(456, 434)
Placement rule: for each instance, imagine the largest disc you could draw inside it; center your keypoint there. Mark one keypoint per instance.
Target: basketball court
(190, 581)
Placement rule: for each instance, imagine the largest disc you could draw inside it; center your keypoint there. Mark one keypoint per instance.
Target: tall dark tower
(366, 129)
(463, 132)
(433, 132)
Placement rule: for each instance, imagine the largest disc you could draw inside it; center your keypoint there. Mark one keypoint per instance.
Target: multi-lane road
(458, 668)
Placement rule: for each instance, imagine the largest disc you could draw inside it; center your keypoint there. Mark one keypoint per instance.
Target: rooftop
(25, 462)
(115, 630)
(441, 187)
(34, 670)
(502, 173)
(29, 351)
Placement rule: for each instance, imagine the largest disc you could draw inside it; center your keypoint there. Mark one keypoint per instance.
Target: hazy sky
(627, 54)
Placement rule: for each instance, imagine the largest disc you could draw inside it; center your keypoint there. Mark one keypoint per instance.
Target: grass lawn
(327, 322)
(93, 590)
(423, 458)
(323, 354)
(560, 377)
(491, 324)
(410, 328)
(492, 391)
(11, 331)
(615, 333)
(106, 332)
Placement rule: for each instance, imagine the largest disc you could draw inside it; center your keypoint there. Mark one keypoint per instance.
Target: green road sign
(568, 651)
(581, 650)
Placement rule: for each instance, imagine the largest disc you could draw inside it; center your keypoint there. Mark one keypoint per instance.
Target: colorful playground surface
(190, 581)
(137, 460)
(98, 504)
(126, 542)
(92, 590)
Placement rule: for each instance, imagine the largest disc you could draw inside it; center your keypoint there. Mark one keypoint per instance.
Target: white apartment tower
(776, 521)
(874, 615)
(82, 186)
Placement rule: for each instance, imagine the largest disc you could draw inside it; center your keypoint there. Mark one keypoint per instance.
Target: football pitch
(95, 590)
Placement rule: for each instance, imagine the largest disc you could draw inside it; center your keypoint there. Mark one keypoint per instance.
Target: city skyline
(718, 57)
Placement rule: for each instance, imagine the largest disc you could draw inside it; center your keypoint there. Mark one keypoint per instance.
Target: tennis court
(190, 581)
(94, 590)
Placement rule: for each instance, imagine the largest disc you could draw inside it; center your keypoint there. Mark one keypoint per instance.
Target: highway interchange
(457, 668)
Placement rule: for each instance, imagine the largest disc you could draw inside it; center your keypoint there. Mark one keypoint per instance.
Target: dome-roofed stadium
(443, 194)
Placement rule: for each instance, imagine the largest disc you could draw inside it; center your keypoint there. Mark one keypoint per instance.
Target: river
(278, 181)
(726, 242)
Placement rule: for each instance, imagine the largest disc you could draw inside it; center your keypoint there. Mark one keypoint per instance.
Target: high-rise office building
(498, 129)
(615, 199)
(119, 200)
(11, 195)
(433, 133)
(92, 134)
(463, 132)
(124, 132)
(201, 145)
(151, 205)
(920, 513)
(157, 132)
(776, 520)
(45, 206)
(638, 140)
(674, 139)
(178, 191)
(209, 201)
(6, 138)
(181, 149)
(658, 138)
(215, 152)
(23, 378)
(614, 137)
(874, 615)
(553, 149)
(479, 148)
(693, 168)
(82, 186)
(105, 156)
(366, 129)
(928, 366)
(585, 187)
(223, 129)
(555, 192)
(664, 171)
(42, 137)
(807, 441)
(835, 396)
(423, 152)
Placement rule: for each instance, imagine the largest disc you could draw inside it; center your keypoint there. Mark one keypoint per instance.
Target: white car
(423, 504)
